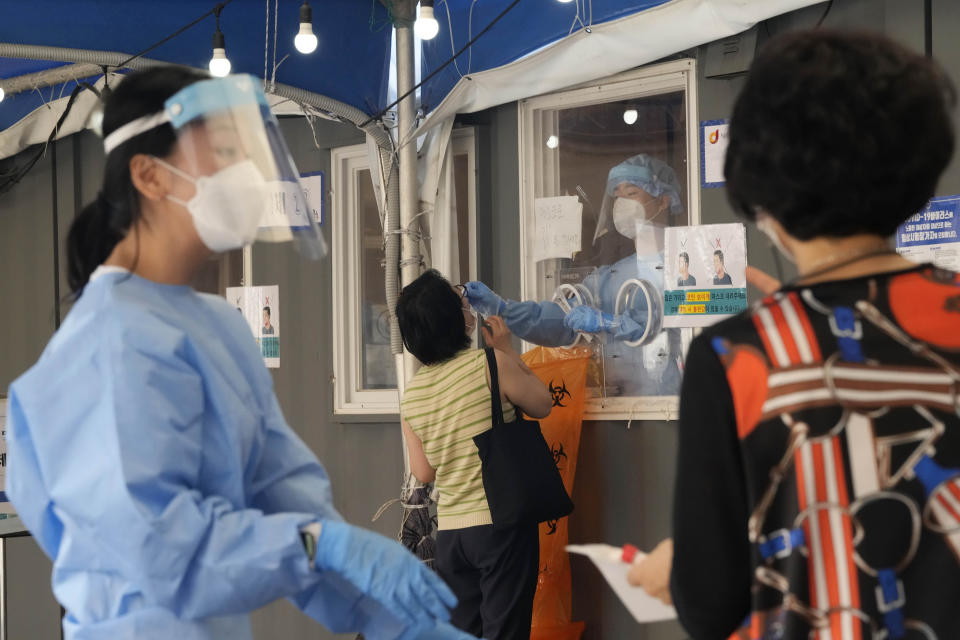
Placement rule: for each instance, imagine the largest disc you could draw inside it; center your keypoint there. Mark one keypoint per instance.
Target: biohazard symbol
(558, 453)
(559, 393)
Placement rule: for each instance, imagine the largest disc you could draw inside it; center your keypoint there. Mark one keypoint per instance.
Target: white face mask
(763, 224)
(626, 214)
(228, 205)
(630, 219)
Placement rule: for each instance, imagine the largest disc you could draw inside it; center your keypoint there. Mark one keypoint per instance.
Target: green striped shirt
(446, 405)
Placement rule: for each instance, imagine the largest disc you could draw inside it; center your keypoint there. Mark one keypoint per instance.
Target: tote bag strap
(496, 407)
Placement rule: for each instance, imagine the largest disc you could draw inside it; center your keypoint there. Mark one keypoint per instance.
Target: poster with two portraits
(704, 274)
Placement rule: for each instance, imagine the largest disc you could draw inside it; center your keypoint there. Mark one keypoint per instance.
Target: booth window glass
(605, 170)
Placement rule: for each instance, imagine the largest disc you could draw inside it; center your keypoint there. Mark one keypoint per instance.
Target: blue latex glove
(590, 320)
(385, 571)
(483, 300)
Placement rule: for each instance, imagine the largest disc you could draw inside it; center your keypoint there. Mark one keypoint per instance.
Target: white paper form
(558, 227)
(642, 606)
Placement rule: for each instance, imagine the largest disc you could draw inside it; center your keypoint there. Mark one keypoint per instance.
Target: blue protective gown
(151, 461)
(653, 369)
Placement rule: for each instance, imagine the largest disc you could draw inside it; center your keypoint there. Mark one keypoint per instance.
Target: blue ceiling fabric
(12, 67)
(350, 64)
(526, 28)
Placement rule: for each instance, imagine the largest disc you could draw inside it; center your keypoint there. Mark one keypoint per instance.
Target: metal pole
(246, 277)
(406, 123)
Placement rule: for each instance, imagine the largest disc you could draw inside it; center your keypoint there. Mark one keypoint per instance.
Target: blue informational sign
(932, 235)
(935, 224)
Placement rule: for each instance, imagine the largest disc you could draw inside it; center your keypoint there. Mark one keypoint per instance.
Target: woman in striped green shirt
(492, 571)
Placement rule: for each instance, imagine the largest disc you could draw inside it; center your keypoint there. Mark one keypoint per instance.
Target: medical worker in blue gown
(622, 302)
(148, 454)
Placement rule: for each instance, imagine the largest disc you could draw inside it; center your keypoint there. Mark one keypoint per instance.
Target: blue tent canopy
(351, 63)
(526, 28)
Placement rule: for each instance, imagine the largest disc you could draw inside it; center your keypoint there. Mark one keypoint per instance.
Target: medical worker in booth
(148, 454)
(621, 303)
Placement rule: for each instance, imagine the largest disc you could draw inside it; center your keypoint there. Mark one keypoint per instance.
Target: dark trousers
(494, 575)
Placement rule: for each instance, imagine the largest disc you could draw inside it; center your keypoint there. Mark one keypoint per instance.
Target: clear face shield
(635, 214)
(245, 185)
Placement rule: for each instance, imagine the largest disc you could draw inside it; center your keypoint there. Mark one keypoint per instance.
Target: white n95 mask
(228, 205)
(626, 214)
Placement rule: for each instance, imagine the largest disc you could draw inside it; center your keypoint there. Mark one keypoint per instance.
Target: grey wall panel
(33, 611)
(26, 270)
(27, 289)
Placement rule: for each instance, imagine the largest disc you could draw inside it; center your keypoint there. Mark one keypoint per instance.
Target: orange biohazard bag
(565, 373)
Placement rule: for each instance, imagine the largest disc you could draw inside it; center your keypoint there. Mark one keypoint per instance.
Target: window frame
(349, 398)
(668, 77)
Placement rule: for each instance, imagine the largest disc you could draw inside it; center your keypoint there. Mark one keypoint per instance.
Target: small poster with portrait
(705, 274)
(260, 307)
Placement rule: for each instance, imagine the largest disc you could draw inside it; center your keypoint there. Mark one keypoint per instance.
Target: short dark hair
(430, 315)
(719, 254)
(839, 133)
(267, 309)
(686, 257)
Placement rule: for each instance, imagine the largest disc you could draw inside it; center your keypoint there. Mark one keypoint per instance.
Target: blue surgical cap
(652, 175)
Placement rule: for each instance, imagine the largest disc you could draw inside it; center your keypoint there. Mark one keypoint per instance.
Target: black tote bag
(520, 476)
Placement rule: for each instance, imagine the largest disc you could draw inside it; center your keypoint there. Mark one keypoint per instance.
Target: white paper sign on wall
(557, 224)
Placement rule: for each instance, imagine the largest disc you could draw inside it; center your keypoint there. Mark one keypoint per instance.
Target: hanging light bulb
(553, 142)
(219, 64)
(630, 116)
(305, 41)
(426, 26)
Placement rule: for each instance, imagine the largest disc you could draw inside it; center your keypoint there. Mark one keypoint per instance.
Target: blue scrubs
(649, 370)
(151, 461)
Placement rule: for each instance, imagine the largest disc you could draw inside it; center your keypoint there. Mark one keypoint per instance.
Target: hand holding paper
(652, 573)
(609, 560)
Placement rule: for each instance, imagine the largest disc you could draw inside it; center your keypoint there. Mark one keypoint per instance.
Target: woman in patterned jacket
(818, 471)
